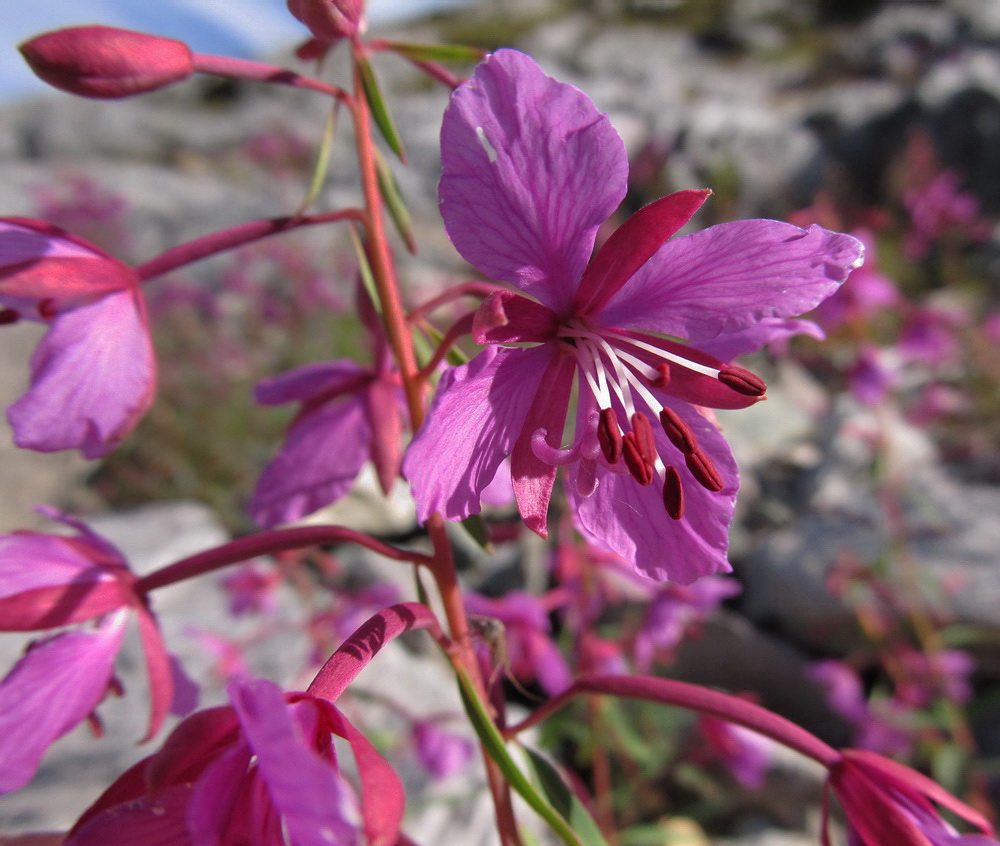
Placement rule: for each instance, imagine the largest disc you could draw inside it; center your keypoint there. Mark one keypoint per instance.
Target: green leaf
(476, 529)
(564, 800)
(365, 269)
(380, 112)
(322, 161)
(436, 52)
(496, 748)
(400, 214)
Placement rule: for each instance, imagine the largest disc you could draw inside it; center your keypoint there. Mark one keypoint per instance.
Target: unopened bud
(106, 63)
(329, 20)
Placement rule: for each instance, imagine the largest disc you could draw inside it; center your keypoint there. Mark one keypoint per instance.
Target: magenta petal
(309, 381)
(508, 318)
(630, 520)
(385, 406)
(214, 807)
(728, 277)
(318, 463)
(307, 791)
(530, 169)
(632, 245)
(477, 415)
(48, 581)
(155, 820)
(158, 669)
(49, 692)
(770, 330)
(92, 378)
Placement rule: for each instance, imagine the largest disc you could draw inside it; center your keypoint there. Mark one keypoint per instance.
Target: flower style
(531, 169)
(886, 802)
(93, 374)
(48, 581)
(349, 415)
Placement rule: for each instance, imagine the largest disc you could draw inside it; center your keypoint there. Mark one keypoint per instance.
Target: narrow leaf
(380, 112)
(322, 162)
(564, 800)
(393, 197)
(365, 269)
(495, 747)
(436, 52)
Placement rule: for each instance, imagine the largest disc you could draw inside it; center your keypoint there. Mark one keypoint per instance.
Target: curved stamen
(544, 451)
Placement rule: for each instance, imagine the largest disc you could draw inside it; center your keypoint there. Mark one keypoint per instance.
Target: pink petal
(629, 519)
(770, 330)
(161, 674)
(92, 378)
(632, 245)
(384, 407)
(728, 277)
(476, 417)
(304, 383)
(306, 790)
(506, 317)
(48, 581)
(530, 169)
(153, 820)
(318, 463)
(49, 692)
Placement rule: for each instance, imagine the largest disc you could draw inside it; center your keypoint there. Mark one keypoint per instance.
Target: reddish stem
(268, 543)
(480, 290)
(229, 239)
(260, 72)
(462, 327)
(714, 703)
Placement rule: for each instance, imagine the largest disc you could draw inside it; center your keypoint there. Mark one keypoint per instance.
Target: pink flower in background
(673, 610)
(93, 374)
(442, 753)
(262, 771)
(531, 169)
(871, 377)
(745, 753)
(937, 209)
(887, 803)
(865, 294)
(349, 415)
(527, 648)
(49, 581)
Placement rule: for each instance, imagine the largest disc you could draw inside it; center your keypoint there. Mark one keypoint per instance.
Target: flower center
(620, 371)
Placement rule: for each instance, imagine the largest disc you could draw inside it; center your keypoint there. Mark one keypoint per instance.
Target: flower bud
(329, 20)
(107, 63)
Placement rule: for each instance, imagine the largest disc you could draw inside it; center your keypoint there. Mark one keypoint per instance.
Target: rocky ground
(718, 100)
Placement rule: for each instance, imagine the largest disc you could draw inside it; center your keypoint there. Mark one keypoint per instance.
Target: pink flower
(349, 415)
(938, 209)
(865, 294)
(93, 375)
(262, 771)
(745, 753)
(107, 63)
(48, 581)
(441, 753)
(329, 20)
(886, 802)
(531, 169)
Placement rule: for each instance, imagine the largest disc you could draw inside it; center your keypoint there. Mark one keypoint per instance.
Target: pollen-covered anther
(703, 469)
(644, 438)
(638, 466)
(742, 381)
(678, 431)
(609, 435)
(8, 316)
(673, 493)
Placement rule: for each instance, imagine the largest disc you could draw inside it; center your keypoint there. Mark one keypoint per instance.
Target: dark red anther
(47, 309)
(609, 436)
(678, 431)
(641, 470)
(703, 469)
(742, 381)
(644, 437)
(8, 316)
(663, 379)
(673, 493)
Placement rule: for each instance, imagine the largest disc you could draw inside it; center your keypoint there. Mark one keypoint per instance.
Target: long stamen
(704, 369)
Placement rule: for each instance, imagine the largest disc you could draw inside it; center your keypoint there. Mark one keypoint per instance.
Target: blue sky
(244, 28)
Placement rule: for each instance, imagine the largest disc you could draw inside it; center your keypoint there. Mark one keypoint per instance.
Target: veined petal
(318, 463)
(476, 417)
(92, 378)
(530, 169)
(632, 245)
(729, 345)
(630, 520)
(728, 277)
(312, 380)
(49, 691)
(307, 791)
